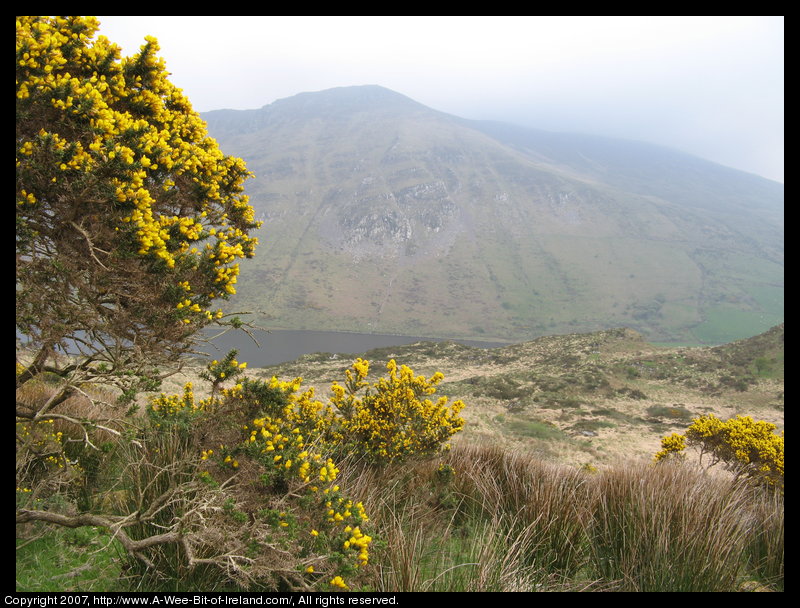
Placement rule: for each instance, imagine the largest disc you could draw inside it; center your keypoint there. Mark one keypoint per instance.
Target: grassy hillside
(382, 215)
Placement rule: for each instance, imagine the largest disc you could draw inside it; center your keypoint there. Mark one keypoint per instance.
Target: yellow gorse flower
(744, 445)
(123, 118)
(396, 418)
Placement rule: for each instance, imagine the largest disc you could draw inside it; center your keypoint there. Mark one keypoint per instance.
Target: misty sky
(710, 86)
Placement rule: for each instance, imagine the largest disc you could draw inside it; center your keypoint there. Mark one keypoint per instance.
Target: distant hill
(383, 215)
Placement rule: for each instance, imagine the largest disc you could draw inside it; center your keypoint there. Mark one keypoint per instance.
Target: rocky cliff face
(376, 221)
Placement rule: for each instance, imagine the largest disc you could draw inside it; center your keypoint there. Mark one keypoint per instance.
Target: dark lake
(280, 346)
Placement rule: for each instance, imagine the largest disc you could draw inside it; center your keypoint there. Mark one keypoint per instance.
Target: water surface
(279, 346)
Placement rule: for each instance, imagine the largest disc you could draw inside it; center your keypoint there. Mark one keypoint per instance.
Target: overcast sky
(710, 86)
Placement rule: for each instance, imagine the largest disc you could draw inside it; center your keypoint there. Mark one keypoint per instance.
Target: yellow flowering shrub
(130, 224)
(745, 446)
(289, 444)
(671, 445)
(42, 445)
(391, 419)
(179, 410)
(396, 417)
(276, 434)
(130, 220)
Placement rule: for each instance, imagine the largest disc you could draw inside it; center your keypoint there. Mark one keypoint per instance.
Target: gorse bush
(286, 446)
(130, 224)
(394, 419)
(130, 221)
(747, 447)
(41, 462)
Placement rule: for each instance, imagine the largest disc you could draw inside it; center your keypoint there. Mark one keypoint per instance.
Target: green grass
(725, 323)
(64, 559)
(769, 298)
(592, 425)
(535, 429)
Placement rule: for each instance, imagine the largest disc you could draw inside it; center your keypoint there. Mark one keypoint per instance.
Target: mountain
(383, 215)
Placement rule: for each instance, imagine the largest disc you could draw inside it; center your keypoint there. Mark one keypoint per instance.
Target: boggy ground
(581, 399)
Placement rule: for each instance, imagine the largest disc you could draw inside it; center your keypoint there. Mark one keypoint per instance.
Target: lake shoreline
(278, 346)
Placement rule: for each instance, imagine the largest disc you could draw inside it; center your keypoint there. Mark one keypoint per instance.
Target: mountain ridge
(383, 215)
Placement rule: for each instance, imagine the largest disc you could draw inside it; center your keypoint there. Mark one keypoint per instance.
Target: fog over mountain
(383, 215)
(712, 86)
